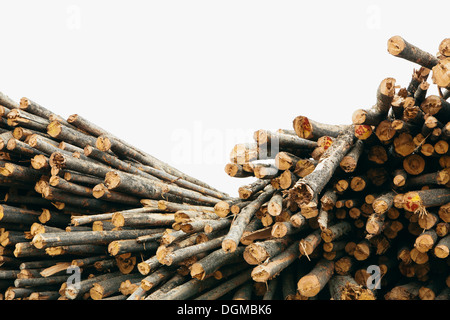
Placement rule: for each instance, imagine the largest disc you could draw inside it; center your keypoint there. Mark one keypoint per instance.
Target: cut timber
(311, 186)
(399, 47)
(258, 252)
(313, 282)
(266, 271)
(309, 129)
(344, 287)
(45, 240)
(206, 266)
(237, 228)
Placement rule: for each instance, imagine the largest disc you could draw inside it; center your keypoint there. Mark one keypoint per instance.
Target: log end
(229, 245)
(309, 286)
(303, 127)
(396, 45)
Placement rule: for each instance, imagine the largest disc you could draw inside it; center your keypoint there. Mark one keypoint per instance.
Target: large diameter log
(10, 214)
(237, 228)
(311, 186)
(345, 287)
(45, 240)
(399, 47)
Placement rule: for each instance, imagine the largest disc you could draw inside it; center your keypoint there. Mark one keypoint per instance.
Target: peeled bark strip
(399, 47)
(311, 186)
(237, 228)
(265, 272)
(312, 283)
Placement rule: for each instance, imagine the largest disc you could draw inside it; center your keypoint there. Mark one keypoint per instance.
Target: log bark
(311, 186)
(312, 283)
(399, 47)
(231, 240)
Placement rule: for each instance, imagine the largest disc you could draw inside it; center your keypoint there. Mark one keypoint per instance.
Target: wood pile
(356, 211)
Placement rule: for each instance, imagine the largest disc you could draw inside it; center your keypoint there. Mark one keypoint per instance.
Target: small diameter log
(383, 202)
(312, 283)
(285, 160)
(419, 76)
(436, 106)
(246, 191)
(408, 291)
(237, 228)
(312, 130)
(25, 119)
(206, 266)
(176, 256)
(63, 161)
(311, 186)
(10, 214)
(308, 244)
(399, 47)
(442, 248)
(157, 277)
(344, 287)
(45, 240)
(378, 112)
(426, 241)
(119, 247)
(414, 164)
(418, 201)
(140, 186)
(110, 286)
(258, 252)
(100, 191)
(226, 287)
(275, 204)
(121, 219)
(336, 231)
(441, 74)
(350, 161)
(278, 263)
(236, 170)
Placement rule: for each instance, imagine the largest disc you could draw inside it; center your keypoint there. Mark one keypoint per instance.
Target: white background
(187, 80)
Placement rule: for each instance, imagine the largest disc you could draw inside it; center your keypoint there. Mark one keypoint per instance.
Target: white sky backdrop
(187, 80)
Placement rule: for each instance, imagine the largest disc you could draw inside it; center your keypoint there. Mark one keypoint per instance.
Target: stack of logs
(356, 211)
(353, 212)
(81, 208)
